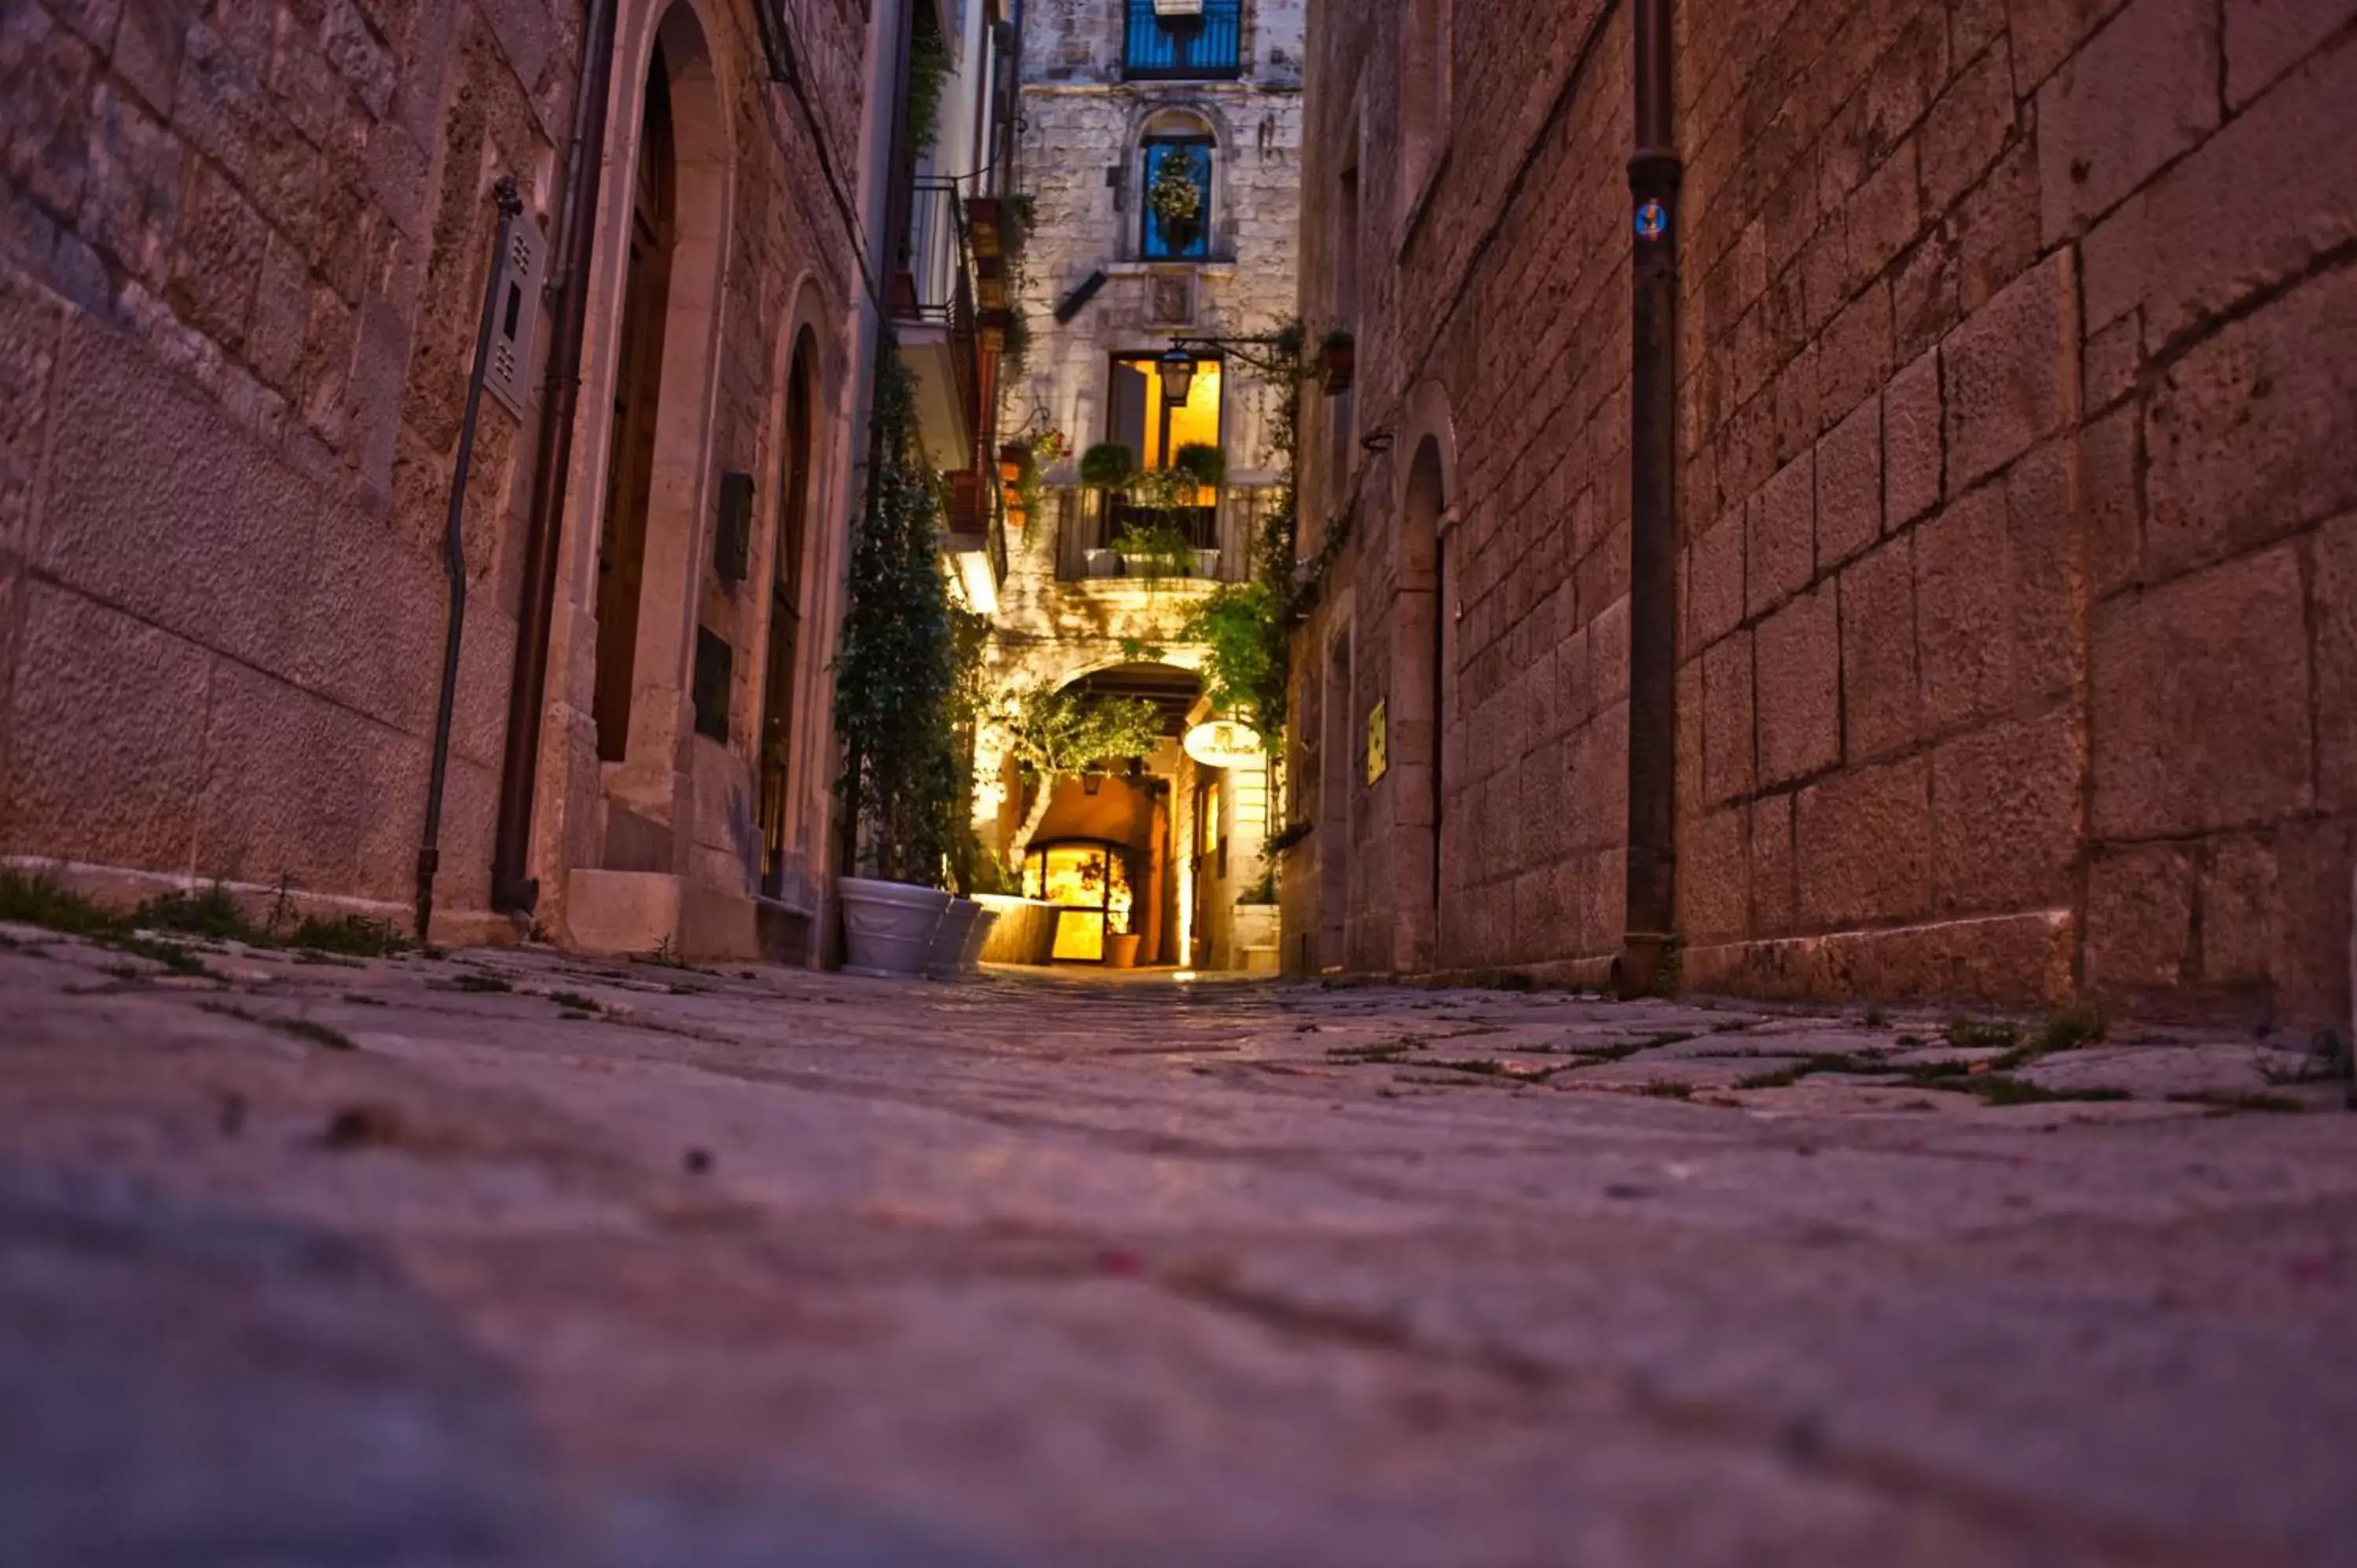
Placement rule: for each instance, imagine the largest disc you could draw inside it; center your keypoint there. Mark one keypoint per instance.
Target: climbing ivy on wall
(896, 674)
(1246, 628)
(928, 74)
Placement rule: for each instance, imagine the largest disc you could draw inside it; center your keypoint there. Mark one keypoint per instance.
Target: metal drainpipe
(1654, 178)
(454, 559)
(511, 891)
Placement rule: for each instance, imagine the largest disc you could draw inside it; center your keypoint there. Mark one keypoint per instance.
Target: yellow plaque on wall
(1378, 744)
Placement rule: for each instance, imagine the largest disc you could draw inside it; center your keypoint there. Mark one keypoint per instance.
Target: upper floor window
(1181, 38)
(1176, 214)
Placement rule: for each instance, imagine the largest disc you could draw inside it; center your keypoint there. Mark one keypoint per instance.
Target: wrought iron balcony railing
(1207, 43)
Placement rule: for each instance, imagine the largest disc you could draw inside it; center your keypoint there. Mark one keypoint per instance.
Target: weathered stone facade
(2016, 462)
(243, 249)
(1084, 121)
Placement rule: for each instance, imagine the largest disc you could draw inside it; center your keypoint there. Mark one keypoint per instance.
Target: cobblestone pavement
(510, 1258)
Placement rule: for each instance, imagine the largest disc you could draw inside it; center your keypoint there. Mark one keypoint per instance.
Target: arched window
(1177, 168)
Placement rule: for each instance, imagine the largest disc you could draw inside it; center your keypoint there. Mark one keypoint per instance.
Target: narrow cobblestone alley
(519, 1259)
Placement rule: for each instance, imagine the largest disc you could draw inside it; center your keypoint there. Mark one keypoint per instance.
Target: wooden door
(785, 621)
(630, 464)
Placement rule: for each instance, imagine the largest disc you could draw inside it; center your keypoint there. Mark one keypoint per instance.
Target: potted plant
(1255, 938)
(1337, 354)
(1108, 465)
(895, 682)
(1203, 463)
(1153, 551)
(1108, 468)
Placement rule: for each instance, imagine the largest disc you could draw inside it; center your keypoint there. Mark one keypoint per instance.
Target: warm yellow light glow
(1195, 423)
(1089, 883)
(1223, 743)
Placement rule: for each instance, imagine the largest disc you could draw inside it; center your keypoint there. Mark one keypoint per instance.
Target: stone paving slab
(515, 1257)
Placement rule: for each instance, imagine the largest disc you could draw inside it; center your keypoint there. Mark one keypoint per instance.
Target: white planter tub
(946, 960)
(978, 938)
(887, 926)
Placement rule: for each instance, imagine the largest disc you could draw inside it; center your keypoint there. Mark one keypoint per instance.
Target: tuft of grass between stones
(1991, 1081)
(1980, 1033)
(304, 1029)
(482, 983)
(2254, 1100)
(210, 913)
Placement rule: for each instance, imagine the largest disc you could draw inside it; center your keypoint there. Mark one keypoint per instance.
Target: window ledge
(1204, 267)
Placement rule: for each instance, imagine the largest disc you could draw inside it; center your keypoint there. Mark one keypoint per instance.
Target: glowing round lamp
(1223, 743)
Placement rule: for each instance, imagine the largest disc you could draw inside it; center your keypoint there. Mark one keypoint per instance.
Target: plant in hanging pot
(896, 677)
(1338, 358)
(1175, 196)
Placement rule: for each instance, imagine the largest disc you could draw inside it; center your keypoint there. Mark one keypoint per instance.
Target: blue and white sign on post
(1652, 219)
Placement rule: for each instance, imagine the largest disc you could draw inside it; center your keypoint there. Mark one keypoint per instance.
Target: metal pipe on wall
(454, 558)
(1655, 172)
(512, 891)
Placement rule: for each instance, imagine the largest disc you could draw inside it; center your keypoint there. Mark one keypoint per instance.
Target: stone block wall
(2016, 476)
(243, 245)
(1492, 320)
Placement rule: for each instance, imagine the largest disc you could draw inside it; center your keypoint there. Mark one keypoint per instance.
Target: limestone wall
(2015, 474)
(242, 251)
(1082, 167)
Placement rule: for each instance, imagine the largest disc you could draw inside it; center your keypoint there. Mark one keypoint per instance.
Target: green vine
(1243, 661)
(1155, 550)
(928, 74)
(1246, 628)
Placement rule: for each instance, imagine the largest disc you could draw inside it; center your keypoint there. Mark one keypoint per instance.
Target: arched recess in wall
(798, 456)
(1172, 149)
(672, 232)
(1423, 655)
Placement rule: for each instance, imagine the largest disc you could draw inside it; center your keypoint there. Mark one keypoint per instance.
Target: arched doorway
(785, 611)
(1094, 882)
(1128, 813)
(638, 384)
(1420, 707)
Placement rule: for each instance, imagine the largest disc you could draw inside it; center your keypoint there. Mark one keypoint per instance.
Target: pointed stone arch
(1423, 654)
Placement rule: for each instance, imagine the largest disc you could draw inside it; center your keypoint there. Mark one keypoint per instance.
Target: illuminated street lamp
(1176, 369)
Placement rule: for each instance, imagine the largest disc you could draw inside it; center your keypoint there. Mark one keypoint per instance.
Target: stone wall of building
(1083, 168)
(2014, 492)
(244, 248)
